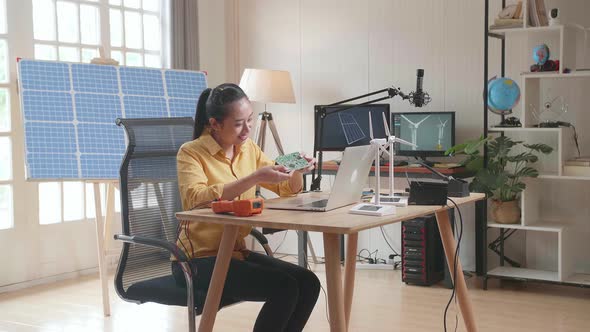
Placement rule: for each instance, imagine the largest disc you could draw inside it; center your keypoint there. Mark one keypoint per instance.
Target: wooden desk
(331, 224)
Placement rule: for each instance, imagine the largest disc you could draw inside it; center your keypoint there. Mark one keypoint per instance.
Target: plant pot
(506, 212)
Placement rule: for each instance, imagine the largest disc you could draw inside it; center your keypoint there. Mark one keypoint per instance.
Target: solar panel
(350, 127)
(69, 113)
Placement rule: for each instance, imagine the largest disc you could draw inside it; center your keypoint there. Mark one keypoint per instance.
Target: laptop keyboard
(317, 204)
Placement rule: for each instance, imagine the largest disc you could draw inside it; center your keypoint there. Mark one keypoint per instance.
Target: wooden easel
(103, 229)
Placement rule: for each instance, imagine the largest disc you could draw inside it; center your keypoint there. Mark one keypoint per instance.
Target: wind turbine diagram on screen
(414, 129)
(441, 133)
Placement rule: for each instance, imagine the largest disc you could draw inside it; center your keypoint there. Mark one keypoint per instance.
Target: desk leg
(449, 245)
(334, 280)
(228, 240)
(349, 272)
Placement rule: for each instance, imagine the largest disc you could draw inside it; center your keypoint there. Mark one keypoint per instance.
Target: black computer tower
(423, 258)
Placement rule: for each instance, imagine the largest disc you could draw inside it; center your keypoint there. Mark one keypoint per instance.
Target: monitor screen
(350, 127)
(432, 132)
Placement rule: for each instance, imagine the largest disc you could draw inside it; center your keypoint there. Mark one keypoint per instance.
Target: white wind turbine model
(441, 131)
(379, 205)
(390, 199)
(414, 128)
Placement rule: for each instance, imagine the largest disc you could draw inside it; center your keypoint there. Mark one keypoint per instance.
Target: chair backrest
(149, 195)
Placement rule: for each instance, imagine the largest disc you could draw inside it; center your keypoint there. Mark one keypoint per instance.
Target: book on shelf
(507, 23)
(580, 161)
(537, 13)
(576, 170)
(518, 12)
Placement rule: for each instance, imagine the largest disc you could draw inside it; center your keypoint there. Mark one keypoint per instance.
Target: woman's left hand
(311, 162)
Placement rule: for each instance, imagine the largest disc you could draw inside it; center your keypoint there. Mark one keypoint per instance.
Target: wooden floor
(382, 303)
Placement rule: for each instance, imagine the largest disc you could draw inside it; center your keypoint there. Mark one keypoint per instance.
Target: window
(135, 29)
(6, 183)
(66, 30)
(70, 30)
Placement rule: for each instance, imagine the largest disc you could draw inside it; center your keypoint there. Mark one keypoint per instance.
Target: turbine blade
(371, 126)
(386, 125)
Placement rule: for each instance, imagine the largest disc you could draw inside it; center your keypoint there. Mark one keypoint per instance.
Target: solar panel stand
(103, 229)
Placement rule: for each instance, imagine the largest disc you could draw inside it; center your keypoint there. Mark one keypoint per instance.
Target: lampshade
(268, 86)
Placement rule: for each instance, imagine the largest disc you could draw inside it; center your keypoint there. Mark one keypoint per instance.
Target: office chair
(149, 201)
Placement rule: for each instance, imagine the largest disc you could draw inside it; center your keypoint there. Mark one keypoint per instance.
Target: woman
(223, 163)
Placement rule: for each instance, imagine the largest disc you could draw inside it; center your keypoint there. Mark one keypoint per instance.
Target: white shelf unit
(555, 209)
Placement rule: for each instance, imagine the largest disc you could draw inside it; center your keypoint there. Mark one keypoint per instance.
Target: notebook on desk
(351, 178)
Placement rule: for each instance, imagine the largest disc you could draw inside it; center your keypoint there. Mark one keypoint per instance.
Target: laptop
(350, 179)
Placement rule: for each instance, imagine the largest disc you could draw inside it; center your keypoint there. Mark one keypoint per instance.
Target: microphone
(419, 98)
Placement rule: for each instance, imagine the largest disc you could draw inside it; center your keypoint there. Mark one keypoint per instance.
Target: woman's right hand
(272, 174)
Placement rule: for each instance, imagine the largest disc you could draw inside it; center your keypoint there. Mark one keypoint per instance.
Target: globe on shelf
(503, 95)
(541, 54)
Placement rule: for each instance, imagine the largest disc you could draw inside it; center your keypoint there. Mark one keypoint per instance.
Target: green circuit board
(293, 161)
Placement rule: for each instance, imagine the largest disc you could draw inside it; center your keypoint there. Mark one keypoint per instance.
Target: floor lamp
(269, 86)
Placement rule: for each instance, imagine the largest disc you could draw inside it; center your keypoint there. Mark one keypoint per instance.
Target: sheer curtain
(185, 35)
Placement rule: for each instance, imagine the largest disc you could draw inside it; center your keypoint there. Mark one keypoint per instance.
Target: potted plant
(502, 178)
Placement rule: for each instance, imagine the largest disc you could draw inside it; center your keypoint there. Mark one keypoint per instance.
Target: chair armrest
(259, 236)
(263, 241)
(146, 241)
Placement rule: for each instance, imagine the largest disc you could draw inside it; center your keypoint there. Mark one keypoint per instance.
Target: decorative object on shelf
(510, 122)
(553, 110)
(509, 17)
(554, 17)
(502, 179)
(541, 54)
(503, 95)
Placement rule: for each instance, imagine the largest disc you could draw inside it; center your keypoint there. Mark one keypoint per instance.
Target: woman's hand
(310, 162)
(272, 174)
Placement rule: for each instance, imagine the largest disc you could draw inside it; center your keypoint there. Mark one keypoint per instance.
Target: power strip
(366, 266)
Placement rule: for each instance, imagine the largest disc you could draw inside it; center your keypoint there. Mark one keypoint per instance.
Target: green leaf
(527, 172)
(473, 147)
(543, 148)
(517, 187)
(524, 156)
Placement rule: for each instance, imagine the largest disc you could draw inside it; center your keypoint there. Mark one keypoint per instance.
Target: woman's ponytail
(201, 117)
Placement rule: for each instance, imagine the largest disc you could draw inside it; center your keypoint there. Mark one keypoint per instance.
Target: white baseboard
(48, 280)
(112, 259)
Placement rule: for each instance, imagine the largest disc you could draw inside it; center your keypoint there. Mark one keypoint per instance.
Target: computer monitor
(433, 132)
(350, 127)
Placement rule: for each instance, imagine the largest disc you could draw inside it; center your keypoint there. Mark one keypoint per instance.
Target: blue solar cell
(185, 84)
(47, 106)
(43, 75)
(141, 81)
(100, 166)
(47, 137)
(52, 166)
(93, 78)
(101, 138)
(182, 107)
(97, 108)
(69, 112)
(144, 107)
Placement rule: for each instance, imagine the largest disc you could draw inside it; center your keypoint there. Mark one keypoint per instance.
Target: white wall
(337, 49)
